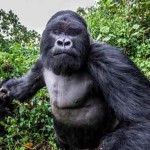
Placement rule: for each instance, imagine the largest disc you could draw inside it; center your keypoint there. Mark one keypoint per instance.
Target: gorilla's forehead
(69, 14)
(67, 19)
(65, 23)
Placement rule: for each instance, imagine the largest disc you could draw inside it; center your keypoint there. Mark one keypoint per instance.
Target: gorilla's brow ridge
(68, 14)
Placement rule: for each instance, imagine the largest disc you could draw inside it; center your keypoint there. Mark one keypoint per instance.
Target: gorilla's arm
(25, 87)
(129, 137)
(125, 88)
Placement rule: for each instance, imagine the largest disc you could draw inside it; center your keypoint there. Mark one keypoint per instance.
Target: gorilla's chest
(71, 99)
(67, 91)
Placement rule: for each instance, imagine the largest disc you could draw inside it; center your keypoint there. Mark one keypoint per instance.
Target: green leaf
(106, 39)
(135, 26)
(99, 37)
(105, 29)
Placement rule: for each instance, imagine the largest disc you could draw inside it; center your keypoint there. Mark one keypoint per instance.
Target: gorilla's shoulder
(101, 52)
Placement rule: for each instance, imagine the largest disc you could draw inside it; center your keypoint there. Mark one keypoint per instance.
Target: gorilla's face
(65, 43)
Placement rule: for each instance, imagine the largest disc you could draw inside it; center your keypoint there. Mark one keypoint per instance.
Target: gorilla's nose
(64, 43)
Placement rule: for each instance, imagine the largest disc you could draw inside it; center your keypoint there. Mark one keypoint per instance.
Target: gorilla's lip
(64, 52)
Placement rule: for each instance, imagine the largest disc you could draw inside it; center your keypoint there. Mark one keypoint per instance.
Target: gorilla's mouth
(69, 53)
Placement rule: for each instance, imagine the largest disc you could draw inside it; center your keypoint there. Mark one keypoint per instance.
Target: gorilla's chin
(65, 64)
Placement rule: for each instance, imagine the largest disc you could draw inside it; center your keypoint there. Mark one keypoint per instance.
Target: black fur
(67, 13)
(127, 93)
(122, 88)
(30, 83)
(125, 88)
(6, 108)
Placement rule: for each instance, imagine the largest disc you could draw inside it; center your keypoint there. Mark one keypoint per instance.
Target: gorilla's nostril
(68, 43)
(64, 43)
(60, 43)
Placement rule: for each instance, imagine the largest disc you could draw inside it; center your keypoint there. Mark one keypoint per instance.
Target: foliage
(30, 121)
(11, 31)
(124, 24)
(30, 124)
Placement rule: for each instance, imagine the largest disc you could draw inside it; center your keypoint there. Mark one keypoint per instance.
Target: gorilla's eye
(74, 32)
(56, 32)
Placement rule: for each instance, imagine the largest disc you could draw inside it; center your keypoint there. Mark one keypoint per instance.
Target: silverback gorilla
(99, 98)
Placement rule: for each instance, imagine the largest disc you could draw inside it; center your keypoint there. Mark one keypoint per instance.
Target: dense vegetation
(124, 24)
(30, 124)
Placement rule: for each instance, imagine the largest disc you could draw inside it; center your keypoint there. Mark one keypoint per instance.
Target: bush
(30, 123)
(124, 24)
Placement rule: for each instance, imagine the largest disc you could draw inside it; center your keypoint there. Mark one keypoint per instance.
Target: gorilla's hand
(5, 100)
(4, 93)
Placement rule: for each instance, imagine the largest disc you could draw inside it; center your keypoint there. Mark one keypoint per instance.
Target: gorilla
(99, 98)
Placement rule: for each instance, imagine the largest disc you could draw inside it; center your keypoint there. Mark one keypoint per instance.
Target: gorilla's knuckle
(4, 93)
